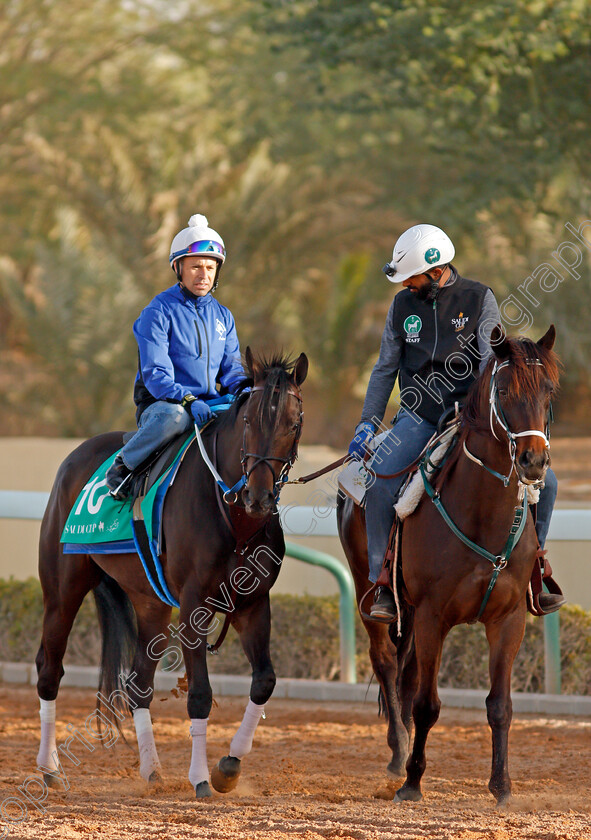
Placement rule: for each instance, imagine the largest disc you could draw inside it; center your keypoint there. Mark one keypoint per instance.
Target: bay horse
(256, 439)
(443, 581)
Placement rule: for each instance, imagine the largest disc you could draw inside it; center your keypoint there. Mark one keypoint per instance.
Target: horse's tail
(119, 640)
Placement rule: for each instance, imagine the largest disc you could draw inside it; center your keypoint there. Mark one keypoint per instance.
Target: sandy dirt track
(317, 771)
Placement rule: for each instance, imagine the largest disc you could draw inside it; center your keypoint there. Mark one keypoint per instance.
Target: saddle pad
(100, 524)
(353, 477)
(412, 494)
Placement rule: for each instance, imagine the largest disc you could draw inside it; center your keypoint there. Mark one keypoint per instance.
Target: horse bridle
(286, 463)
(496, 413)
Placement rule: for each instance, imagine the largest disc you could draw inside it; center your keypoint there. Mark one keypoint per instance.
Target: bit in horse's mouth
(524, 480)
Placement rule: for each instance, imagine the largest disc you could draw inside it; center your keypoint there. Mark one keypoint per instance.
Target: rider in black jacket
(436, 340)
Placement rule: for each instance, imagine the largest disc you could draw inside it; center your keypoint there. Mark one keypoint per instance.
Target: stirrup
(119, 493)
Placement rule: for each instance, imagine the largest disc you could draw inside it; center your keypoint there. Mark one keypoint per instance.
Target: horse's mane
(276, 371)
(525, 382)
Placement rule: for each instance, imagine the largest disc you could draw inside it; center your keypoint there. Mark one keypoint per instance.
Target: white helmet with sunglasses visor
(198, 240)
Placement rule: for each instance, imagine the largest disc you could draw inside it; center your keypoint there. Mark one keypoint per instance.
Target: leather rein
(346, 459)
(495, 412)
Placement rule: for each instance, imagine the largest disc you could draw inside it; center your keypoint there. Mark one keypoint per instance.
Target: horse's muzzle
(532, 465)
(258, 504)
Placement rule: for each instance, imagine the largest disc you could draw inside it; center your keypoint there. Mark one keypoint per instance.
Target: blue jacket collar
(194, 300)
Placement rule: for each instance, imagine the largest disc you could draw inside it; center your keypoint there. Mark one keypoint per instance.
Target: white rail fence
(298, 520)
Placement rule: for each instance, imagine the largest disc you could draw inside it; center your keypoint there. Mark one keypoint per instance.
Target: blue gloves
(235, 384)
(221, 403)
(201, 412)
(363, 434)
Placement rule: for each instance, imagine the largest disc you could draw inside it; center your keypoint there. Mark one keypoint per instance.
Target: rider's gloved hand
(198, 409)
(363, 434)
(235, 385)
(201, 412)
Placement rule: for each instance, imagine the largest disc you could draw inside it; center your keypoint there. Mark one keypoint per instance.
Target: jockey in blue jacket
(187, 343)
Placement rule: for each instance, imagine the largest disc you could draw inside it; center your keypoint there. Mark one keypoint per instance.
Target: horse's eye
(502, 392)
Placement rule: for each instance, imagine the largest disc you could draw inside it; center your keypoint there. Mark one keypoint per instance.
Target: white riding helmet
(198, 238)
(417, 250)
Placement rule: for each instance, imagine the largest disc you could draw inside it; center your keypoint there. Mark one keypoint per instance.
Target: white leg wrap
(198, 771)
(242, 741)
(46, 757)
(149, 760)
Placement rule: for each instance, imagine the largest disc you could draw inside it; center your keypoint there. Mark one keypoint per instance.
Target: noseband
(286, 463)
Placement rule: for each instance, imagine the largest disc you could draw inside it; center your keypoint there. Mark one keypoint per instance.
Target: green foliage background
(311, 134)
(305, 642)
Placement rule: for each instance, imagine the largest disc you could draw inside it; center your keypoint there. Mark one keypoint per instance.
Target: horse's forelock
(524, 383)
(274, 374)
(276, 389)
(526, 376)
(275, 377)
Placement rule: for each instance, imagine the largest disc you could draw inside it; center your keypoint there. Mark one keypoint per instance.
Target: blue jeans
(546, 506)
(405, 442)
(158, 424)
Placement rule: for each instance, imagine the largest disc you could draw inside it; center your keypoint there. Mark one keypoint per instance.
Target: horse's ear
(300, 369)
(500, 343)
(253, 367)
(547, 340)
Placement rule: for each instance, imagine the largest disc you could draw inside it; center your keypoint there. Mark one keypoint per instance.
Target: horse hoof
(226, 773)
(154, 777)
(203, 790)
(503, 800)
(408, 794)
(51, 781)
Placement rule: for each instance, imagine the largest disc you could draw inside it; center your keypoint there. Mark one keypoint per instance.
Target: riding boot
(540, 602)
(549, 602)
(383, 607)
(116, 479)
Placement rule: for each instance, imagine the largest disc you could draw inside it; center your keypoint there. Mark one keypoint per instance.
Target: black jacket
(435, 367)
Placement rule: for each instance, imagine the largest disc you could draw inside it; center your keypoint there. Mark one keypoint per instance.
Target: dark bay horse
(502, 448)
(256, 438)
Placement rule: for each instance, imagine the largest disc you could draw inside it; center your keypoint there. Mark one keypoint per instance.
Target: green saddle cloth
(100, 523)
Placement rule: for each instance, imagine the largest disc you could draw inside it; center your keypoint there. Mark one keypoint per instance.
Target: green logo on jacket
(412, 327)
